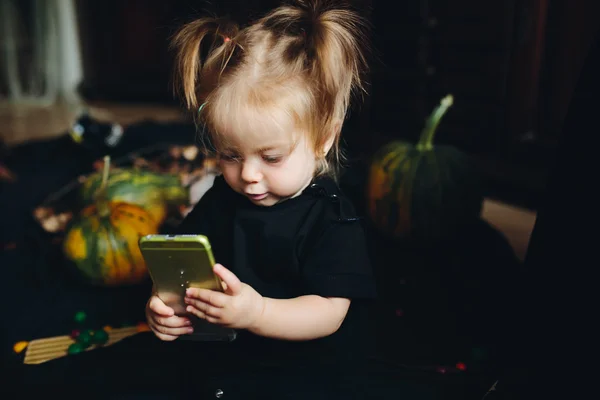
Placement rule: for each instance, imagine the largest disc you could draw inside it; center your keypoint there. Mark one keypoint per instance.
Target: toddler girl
(271, 99)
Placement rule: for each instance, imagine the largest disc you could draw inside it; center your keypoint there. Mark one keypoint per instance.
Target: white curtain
(40, 57)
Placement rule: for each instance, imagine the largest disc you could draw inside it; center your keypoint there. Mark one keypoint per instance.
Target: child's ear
(335, 132)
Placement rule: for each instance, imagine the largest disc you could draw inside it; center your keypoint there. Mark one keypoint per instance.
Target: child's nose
(250, 173)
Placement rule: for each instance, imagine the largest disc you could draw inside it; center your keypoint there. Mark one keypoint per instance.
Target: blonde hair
(305, 60)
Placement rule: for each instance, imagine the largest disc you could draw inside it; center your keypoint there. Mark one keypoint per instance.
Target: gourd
(154, 192)
(102, 240)
(422, 191)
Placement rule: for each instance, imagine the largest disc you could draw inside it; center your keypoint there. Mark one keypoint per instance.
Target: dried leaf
(56, 223)
(175, 152)
(190, 153)
(210, 164)
(140, 162)
(6, 174)
(42, 213)
(51, 224)
(9, 246)
(65, 217)
(185, 210)
(98, 165)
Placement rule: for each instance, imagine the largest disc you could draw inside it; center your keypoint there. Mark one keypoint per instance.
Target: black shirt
(310, 244)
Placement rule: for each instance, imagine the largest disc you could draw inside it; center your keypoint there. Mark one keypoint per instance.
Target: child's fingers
(204, 307)
(232, 285)
(160, 308)
(165, 338)
(217, 299)
(162, 331)
(173, 331)
(202, 315)
(172, 322)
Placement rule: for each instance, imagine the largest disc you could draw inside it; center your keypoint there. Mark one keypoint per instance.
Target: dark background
(512, 66)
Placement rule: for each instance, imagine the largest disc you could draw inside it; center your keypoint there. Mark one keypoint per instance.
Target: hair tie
(201, 107)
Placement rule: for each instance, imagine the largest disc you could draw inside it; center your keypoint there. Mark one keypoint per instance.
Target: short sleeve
(338, 264)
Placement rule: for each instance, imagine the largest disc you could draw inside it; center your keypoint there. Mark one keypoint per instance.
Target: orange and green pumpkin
(154, 192)
(102, 241)
(422, 191)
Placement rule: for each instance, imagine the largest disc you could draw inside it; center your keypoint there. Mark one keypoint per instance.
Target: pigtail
(335, 45)
(329, 43)
(197, 72)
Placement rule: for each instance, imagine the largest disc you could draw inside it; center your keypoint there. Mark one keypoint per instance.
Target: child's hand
(240, 306)
(163, 321)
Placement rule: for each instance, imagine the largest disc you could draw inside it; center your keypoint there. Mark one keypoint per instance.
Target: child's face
(268, 164)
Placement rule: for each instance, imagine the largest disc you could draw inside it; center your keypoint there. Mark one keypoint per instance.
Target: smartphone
(177, 262)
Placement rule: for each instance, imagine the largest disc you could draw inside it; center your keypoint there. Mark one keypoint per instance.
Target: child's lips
(257, 197)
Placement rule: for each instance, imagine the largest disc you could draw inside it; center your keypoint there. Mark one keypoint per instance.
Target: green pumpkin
(422, 191)
(102, 240)
(154, 192)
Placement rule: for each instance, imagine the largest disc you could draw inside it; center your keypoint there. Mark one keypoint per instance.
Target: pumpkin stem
(426, 140)
(101, 201)
(105, 172)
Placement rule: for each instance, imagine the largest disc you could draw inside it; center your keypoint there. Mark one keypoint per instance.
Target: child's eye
(272, 159)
